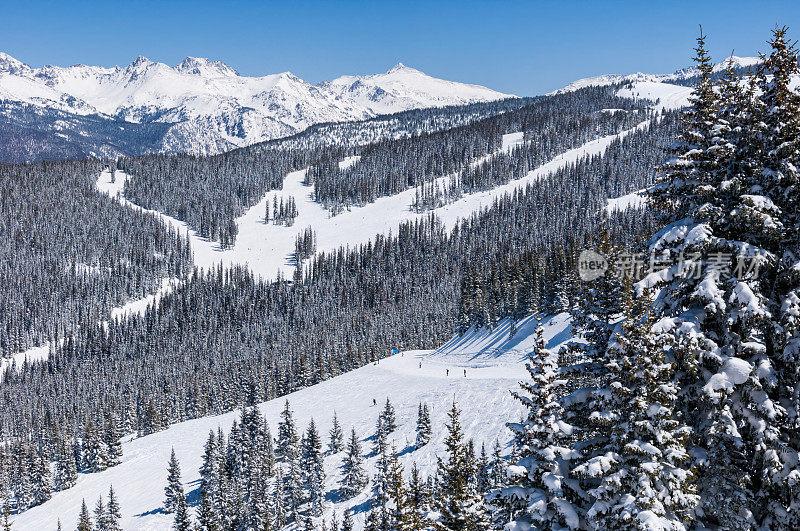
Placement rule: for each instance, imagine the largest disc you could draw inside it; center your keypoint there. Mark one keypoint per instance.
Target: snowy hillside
(684, 73)
(214, 108)
(494, 365)
(268, 248)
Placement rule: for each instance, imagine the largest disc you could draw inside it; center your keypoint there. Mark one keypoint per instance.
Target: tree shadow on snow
(193, 496)
(160, 510)
(407, 450)
(192, 499)
(361, 507)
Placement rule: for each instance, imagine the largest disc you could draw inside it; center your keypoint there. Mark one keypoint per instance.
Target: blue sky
(525, 48)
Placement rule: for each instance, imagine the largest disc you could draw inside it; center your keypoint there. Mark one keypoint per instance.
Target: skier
(465, 373)
(374, 402)
(420, 365)
(447, 372)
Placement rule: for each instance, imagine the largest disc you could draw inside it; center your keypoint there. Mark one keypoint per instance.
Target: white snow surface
(139, 306)
(216, 108)
(667, 95)
(31, 355)
(494, 366)
(635, 199)
(735, 371)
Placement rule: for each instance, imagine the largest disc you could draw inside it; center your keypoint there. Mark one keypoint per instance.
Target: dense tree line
(552, 125)
(69, 254)
(403, 124)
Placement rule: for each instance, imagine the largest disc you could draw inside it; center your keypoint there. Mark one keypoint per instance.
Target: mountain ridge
(214, 108)
(680, 74)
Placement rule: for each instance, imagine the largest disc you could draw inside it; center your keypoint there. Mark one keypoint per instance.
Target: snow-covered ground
(666, 95)
(684, 73)
(32, 354)
(494, 365)
(635, 199)
(139, 306)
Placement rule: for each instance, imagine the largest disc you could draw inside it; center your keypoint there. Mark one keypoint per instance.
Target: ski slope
(665, 95)
(267, 249)
(494, 365)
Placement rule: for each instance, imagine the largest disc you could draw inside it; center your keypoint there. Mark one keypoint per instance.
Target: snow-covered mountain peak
(140, 62)
(743, 62)
(200, 66)
(400, 67)
(11, 65)
(213, 108)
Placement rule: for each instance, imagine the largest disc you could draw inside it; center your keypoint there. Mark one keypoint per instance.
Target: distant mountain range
(199, 106)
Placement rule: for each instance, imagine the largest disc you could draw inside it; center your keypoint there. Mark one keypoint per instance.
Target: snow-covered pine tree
(380, 439)
(380, 480)
(293, 492)
(389, 419)
(41, 478)
(731, 188)
(256, 465)
(685, 187)
(598, 304)
(113, 514)
(399, 513)
(778, 183)
(286, 444)
(208, 513)
(483, 480)
(182, 520)
(279, 515)
(641, 476)
(336, 441)
(499, 466)
(313, 469)
(418, 501)
(111, 438)
(460, 507)
(94, 448)
(173, 492)
(423, 425)
(372, 522)
(347, 521)
(354, 478)
(84, 520)
(66, 474)
(100, 514)
(541, 492)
